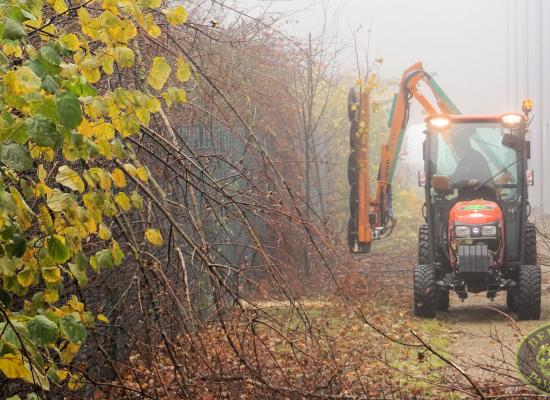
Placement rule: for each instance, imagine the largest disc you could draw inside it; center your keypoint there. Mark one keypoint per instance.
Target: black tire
(443, 300)
(425, 294)
(424, 257)
(530, 257)
(352, 100)
(529, 292)
(511, 299)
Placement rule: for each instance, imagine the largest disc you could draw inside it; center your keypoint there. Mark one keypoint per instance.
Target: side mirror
(512, 141)
(441, 184)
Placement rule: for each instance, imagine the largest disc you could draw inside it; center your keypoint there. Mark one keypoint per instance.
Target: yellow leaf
(153, 236)
(69, 178)
(126, 124)
(76, 381)
(51, 296)
(118, 177)
(21, 81)
(59, 6)
(102, 318)
(70, 41)
(58, 201)
(75, 304)
(184, 71)
(104, 232)
(143, 115)
(68, 353)
(100, 176)
(107, 61)
(174, 95)
(123, 201)
(137, 201)
(152, 29)
(176, 15)
(12, 49)
(13, 367)
(90, 69)
(124, 56)
(51, 274)
(152, 104)
(26, 277)
(142, 174)
(158, 75)
(131, 169)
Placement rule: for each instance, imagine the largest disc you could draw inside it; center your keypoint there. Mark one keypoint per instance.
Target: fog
(463, 42)
(487, 55)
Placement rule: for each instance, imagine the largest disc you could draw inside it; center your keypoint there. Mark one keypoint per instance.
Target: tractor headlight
(462, 231)
(489, 231)
(511, 120)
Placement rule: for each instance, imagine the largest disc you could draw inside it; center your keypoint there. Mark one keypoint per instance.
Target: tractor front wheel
(511, 299)
(425, 293)
(528, 292)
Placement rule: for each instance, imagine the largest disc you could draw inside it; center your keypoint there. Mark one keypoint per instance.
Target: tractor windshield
(472, 156)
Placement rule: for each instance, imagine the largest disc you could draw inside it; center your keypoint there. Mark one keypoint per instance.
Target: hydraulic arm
(372, 216)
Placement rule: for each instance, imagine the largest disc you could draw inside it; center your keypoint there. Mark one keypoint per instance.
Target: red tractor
(476, 237)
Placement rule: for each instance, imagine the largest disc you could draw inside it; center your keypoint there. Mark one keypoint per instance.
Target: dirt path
(482, 331)
(479, 330)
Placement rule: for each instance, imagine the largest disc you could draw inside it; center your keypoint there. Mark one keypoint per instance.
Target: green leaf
(72, 329)
(19, 245)
(16, 156)
(9, 265)
(42, 331)
(57, 249)
(79, 275)
(13, 30)
(79, 87)
(50, 54)
(104, 258)
(5, 298)
(68, 109)
(6, 202)
(49, 84)
(42, 131)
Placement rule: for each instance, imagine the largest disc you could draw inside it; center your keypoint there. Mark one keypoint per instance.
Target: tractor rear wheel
(528, 292)
(424, 257)
(425, 293)
(530, 244)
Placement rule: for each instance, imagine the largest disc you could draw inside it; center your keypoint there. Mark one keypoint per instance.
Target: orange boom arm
(372, 218)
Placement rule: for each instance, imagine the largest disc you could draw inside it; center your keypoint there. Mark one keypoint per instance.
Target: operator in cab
(472, 176)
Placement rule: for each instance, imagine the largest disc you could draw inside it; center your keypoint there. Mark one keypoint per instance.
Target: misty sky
(464, 42)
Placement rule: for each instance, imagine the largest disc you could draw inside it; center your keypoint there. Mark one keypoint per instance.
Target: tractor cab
(476, 237)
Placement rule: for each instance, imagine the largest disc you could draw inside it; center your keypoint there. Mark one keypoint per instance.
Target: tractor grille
(473, 258)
